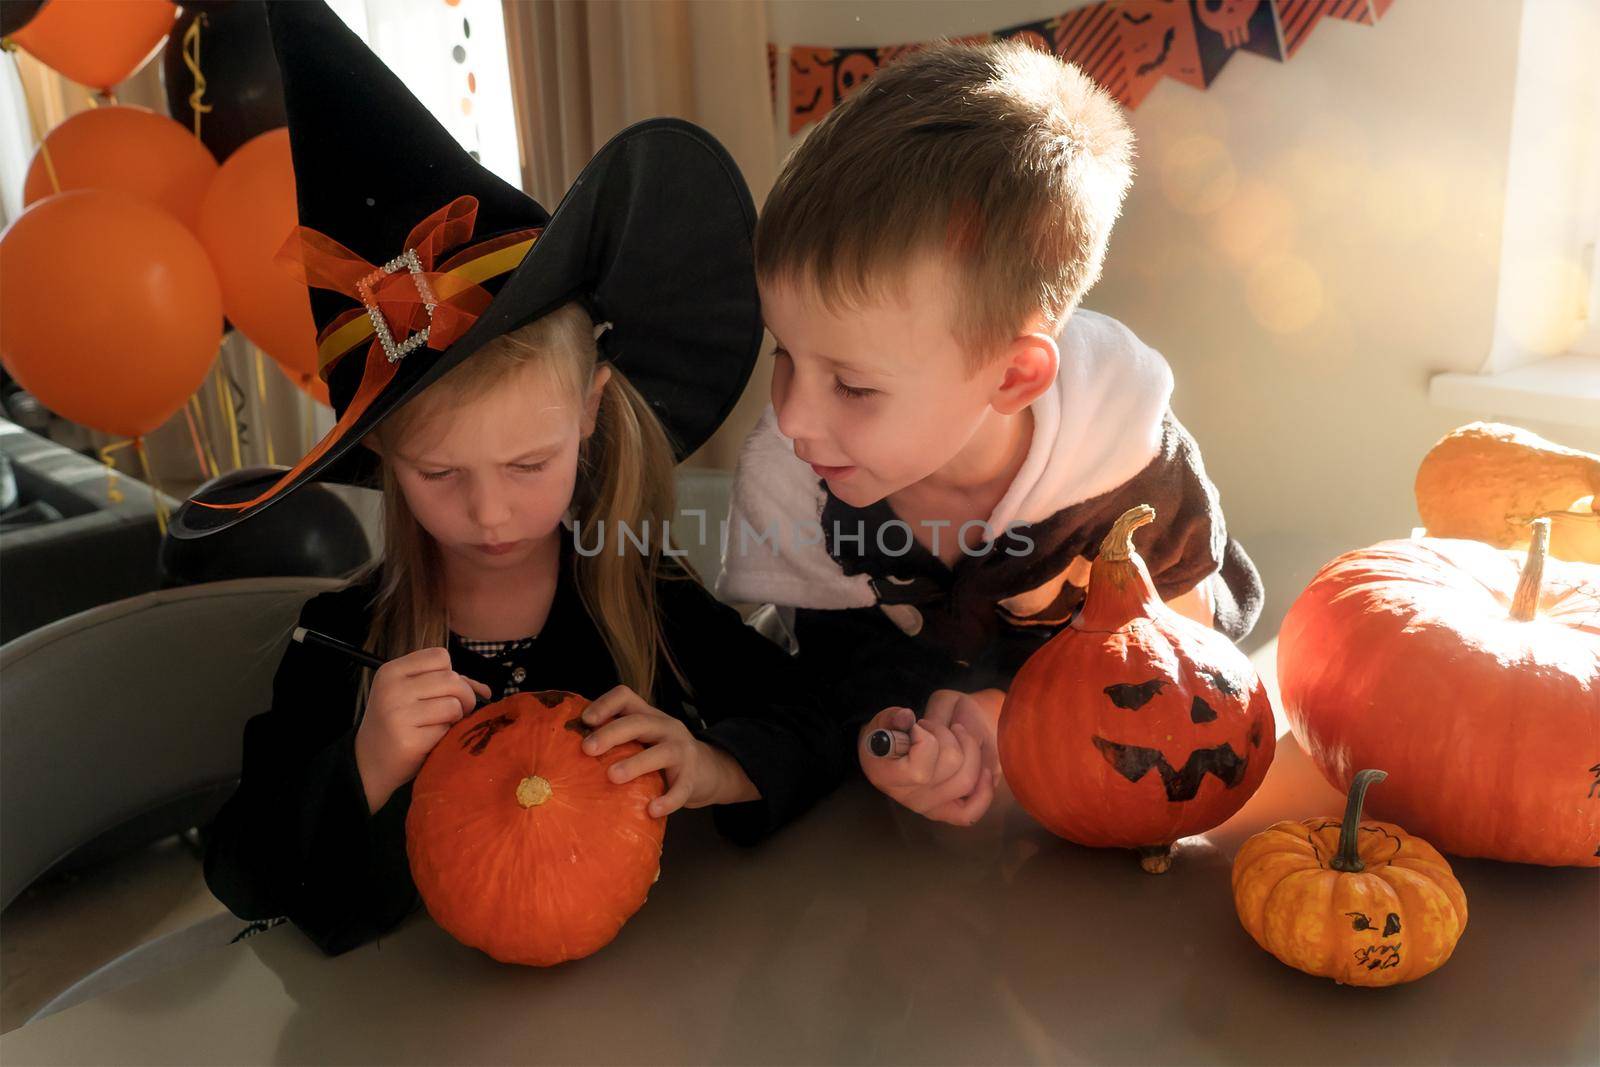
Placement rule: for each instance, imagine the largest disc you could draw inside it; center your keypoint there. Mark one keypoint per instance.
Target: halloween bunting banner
(1127, 46)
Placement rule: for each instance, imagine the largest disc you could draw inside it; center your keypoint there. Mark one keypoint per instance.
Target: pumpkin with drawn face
(520, 845)
(1359, 901)
(1134, 726)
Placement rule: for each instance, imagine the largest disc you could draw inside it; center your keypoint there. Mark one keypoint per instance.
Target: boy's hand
(979, 712)
(698, 774)
(413, 701)
(942, 777)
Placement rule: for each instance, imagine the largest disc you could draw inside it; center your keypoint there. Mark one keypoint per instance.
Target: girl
(489, 431)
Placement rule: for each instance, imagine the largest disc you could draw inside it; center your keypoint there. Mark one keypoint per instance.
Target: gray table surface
(865, 934)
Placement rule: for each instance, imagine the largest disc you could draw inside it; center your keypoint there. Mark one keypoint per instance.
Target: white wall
(1307, 242)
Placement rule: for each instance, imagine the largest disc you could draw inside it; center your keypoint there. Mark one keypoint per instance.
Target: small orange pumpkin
(519, 844)
(1363, 903)
(1134, 726)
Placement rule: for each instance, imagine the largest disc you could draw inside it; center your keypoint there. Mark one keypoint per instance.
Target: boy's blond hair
(1006, 160)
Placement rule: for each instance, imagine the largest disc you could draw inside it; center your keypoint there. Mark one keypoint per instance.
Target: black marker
(360, 655)
(889, 743)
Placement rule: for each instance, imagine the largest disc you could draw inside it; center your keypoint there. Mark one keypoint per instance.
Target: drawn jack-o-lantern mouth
(1181, 782)
(1133, 762)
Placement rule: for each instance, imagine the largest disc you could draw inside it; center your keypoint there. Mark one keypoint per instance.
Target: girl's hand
(698, 774)
(413, 701)
(942, 777)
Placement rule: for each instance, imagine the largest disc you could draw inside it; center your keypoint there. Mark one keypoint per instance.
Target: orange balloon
(109, 310)
(128, 148)
(97, 43)
(309, 384)
(244, 220)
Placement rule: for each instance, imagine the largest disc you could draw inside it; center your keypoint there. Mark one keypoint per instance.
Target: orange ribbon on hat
(409, 302)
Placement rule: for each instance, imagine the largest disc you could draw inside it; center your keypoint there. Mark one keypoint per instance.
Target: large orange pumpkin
(1134, 726)
(1472, 676)
(519, 843)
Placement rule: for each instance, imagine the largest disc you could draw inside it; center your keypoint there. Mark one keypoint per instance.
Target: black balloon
(309, 533)
(241, 73)
(15, 14)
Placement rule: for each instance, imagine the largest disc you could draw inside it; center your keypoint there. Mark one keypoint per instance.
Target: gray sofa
(99, 550)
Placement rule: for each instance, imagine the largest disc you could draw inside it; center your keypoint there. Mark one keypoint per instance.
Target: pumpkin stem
(1525, 602)
(1118, 544)
(1348, 858)
(533, 790)
(1155, 859)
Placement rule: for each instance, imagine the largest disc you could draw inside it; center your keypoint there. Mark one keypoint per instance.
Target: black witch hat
(417, 255)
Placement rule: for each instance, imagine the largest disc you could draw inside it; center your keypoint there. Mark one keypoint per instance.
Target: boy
(949, 438)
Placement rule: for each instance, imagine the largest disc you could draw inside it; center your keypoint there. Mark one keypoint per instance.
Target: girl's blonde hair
(625, 479)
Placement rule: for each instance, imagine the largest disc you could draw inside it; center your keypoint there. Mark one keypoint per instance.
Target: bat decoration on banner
(1126, 46)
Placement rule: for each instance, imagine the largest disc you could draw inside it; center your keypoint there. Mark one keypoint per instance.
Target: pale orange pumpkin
(1488, 481)
(1134, 726)
(1455, 664)
(1361, 902)
(519, 843)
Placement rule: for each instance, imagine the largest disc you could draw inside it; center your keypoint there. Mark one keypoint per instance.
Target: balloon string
(205, 430)
(155, 489)
(239, 400)
(261, 397)
(191, 59)
(194, 438)
(33, 120)
(226, 407)
(113, 494)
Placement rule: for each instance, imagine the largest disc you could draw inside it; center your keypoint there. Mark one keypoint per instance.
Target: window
(1544, 361)
(452, 56)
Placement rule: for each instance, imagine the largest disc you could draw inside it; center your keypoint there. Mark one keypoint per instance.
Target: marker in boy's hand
(414, 700)
(889, 744)
(942, 776)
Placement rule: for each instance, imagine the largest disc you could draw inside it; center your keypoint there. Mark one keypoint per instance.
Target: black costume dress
(297, 839)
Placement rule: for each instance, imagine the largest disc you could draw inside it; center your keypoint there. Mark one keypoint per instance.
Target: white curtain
(581, 70)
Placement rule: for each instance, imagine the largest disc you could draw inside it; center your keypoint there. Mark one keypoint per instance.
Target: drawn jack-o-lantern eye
(1134, 697)
(1359, 921)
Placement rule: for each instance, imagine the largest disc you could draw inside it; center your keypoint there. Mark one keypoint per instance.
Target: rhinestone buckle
(408, 259)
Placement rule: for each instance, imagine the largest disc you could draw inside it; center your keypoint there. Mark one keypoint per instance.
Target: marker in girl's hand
(303, 636)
